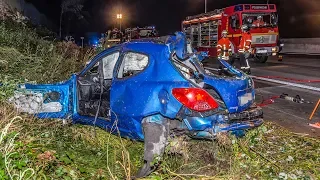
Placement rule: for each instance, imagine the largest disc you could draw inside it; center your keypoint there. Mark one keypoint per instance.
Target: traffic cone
(314, 110)
(315, 125)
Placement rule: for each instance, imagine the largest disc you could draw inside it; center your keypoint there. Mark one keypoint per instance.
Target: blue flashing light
(238, 8)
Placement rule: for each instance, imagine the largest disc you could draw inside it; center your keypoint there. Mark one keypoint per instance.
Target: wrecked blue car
(147, 90)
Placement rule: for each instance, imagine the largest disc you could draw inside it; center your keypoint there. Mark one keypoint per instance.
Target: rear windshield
(191, 68)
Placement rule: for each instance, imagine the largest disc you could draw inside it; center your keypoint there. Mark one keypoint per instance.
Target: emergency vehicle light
(238, 8)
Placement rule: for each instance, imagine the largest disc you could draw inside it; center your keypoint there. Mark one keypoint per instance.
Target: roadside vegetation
(32, 148)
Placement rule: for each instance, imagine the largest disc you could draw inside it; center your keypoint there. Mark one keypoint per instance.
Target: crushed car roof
(175, 43)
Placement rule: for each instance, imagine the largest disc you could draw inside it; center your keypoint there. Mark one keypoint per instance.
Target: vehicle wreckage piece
(35, 103)
(148, 88)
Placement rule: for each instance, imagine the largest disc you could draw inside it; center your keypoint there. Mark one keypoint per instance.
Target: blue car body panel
(64, 88)
(147, 95)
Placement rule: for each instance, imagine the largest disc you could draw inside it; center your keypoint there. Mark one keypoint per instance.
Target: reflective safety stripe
(287, 83)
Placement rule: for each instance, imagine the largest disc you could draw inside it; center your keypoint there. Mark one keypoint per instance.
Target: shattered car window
(132, 64)
(108, 64)
(94, 69)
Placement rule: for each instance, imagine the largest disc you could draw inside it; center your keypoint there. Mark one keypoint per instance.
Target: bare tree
(70, 6)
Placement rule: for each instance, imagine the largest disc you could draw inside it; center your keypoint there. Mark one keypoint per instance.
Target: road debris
(296, 99)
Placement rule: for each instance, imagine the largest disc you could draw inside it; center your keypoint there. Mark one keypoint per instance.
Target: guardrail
(308, 46)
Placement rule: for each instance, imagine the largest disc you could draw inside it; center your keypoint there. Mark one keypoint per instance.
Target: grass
(50, 150)
(47, 149)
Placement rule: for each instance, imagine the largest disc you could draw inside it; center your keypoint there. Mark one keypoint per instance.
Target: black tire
(261, 59)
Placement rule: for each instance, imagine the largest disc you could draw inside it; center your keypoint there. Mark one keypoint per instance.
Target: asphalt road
(291, 115)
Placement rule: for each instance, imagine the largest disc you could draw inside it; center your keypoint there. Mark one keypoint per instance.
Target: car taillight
(195, 99)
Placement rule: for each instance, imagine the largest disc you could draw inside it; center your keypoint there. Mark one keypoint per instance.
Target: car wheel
(155, 141)
(261, 59)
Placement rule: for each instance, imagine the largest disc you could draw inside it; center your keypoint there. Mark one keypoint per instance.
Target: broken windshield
(258, 20)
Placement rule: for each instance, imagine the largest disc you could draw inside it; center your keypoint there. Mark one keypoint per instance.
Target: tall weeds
(27, 57)
(11, 161)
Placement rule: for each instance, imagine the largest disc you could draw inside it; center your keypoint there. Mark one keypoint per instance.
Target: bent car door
(79, 98)
(45, 100)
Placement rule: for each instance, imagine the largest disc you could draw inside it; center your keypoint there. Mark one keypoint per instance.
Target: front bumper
(266, 51)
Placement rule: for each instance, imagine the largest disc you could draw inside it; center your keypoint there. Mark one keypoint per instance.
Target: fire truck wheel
(261, 59)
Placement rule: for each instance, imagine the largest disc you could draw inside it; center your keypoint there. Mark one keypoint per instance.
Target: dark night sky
(167, 15)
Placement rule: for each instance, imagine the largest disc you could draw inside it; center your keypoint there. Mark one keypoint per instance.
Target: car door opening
(94, 88)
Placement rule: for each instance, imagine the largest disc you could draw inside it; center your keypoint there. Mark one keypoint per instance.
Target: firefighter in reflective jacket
(224, 49)
(245, 49)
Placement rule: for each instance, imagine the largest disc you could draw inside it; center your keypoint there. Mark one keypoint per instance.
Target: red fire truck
(204, 30)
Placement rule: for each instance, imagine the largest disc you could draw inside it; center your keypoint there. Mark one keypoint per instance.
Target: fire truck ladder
(211, 13)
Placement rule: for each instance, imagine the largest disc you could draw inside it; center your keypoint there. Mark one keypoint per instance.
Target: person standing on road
(245, 48)
(224, 49)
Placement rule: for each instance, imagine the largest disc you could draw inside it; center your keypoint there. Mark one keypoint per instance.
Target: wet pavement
(294, 116)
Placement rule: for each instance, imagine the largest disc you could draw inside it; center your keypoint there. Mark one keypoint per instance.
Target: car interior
(93, 93)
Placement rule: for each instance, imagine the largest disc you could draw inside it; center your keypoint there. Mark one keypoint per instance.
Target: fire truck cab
(204, 30)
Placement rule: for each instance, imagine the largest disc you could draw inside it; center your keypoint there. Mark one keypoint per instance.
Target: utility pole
(82, 38)
(119, 16)
(205, 6)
